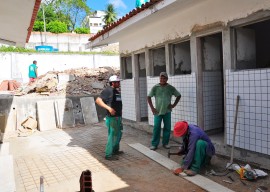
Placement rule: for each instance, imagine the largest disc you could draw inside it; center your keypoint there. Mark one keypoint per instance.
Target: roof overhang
(17, 18)
(137, 19)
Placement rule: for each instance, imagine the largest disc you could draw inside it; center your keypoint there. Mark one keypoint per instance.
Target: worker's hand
(112, 111)
(171, 106)
(154, 111)
(178, 171)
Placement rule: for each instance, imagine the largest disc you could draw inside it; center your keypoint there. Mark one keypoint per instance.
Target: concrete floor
(61, 155)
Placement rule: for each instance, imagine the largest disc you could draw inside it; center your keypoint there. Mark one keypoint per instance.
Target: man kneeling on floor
(197, 148)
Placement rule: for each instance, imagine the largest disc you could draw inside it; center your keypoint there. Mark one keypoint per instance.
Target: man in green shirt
(32, 71)
(163, 93)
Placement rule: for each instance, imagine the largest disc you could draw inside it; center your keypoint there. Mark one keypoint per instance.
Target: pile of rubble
(79, 82)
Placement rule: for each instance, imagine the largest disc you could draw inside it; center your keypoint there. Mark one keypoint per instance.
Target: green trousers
(157, 129)
(200, 156)
(114, 125)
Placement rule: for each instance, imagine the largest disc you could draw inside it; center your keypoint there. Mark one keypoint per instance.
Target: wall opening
(252, 45)
(157, 57)
(126, 65)
(142, 87)
(213, 94)
(181, 58)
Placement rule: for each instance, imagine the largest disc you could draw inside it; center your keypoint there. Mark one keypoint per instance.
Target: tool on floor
(41, 184)
(230, 178)
(227, 181)
(234, 130)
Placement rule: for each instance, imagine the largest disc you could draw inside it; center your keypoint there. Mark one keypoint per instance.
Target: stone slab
(89, 110)
(46, 115)
(64, 113)
(198, 180)
(7, 181)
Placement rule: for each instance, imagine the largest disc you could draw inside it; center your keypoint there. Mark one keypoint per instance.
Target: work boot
(189, 172)
(153, 148)
(118, 153)
(167, 146)
(111, 158)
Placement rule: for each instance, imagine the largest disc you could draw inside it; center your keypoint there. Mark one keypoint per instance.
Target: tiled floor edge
(198, 180)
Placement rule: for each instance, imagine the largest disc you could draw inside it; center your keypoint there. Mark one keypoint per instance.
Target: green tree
(57, 27)
(71, 12)
(75, 11)
(111, 14)
(82, 30)
(38, 26)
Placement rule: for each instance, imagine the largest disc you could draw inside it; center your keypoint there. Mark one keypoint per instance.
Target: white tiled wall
(143, 97)
(213, 100)
(187, 107)
(253, 87)
(128, 99)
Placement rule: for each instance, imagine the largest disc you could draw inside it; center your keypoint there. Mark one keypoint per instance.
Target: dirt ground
(218, 164)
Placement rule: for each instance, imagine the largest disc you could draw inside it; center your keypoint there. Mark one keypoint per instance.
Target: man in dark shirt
(110, 99)
(197, 148)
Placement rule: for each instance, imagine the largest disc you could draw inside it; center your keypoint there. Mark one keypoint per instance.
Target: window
(158, 60)
(181, 58)
(126, 67)
(252, 45)
(141, 63)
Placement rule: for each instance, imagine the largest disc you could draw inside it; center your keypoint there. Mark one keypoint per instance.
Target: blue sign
(45, 48)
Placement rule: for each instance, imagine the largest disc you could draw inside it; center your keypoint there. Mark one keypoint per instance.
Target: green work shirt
(32, 71)
(163, 96)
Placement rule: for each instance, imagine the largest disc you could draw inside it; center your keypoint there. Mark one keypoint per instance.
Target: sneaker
(111, 158)
(167, 146)
(153, 148)
(190, 172)
(118, 153)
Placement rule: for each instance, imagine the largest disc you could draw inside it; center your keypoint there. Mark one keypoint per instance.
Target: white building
(213, 50)
(95, 22)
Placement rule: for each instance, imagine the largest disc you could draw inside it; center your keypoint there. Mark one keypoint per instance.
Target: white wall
(253, 130)
(62, 41)
(186, 110)
(15, 65)
(181, 18)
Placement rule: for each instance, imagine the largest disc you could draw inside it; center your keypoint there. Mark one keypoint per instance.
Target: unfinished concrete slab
(7, 181)
(199, 180)
(46, 115)
(64, 113)
(89, 110)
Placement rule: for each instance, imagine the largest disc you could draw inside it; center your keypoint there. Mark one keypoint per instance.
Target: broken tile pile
(9, 85)
(79, 82)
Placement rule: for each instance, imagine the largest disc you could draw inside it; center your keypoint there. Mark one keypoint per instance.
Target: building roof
(125, 18)
(17, 20)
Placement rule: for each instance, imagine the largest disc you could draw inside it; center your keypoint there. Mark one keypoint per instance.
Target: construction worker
(163, 93)
(110, 99)
(197, 148)
(32, 71)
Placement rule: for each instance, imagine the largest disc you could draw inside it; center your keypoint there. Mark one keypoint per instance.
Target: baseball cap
(114, 78)
(163, 74)
(180, 128)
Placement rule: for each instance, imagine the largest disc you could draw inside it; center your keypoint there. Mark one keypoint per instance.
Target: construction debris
(79, 82)
(9, 85)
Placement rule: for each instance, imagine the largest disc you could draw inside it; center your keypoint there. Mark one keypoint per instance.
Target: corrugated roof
(124, 18)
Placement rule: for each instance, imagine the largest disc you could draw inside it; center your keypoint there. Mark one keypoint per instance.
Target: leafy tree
(70, 12)
(75, 11)
(57, 27)
(111, 14)
(38, 26)
(82, 30)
